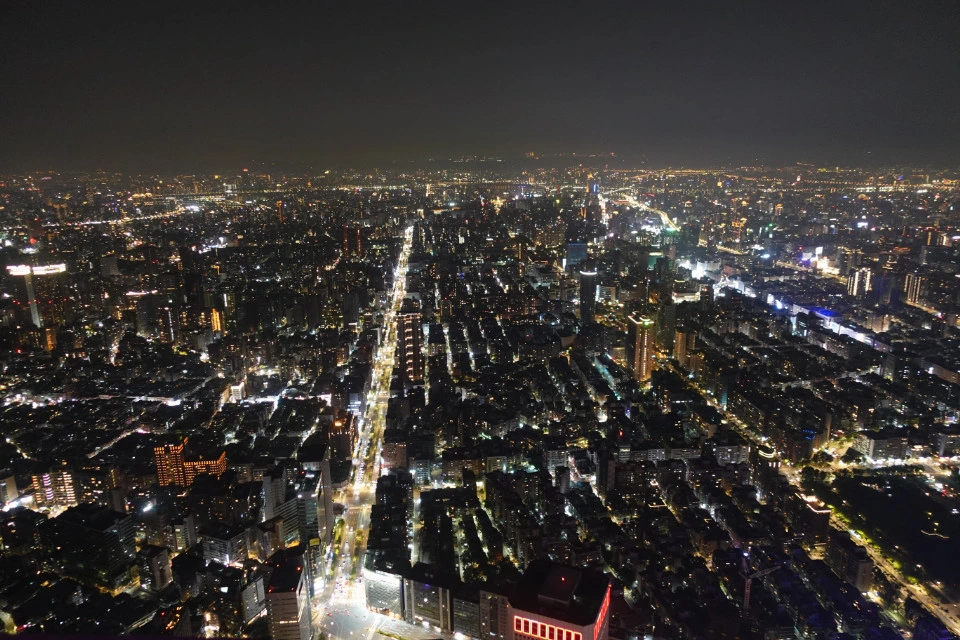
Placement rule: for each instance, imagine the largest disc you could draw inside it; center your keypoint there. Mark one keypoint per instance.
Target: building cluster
(575, 403)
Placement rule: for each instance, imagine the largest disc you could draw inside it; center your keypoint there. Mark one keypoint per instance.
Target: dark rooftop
(562, 592)
(286, 577)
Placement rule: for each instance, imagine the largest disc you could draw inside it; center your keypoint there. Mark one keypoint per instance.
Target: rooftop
(561, 592)
(285, 578)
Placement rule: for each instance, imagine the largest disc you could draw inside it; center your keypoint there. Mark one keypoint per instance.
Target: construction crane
(748, 582)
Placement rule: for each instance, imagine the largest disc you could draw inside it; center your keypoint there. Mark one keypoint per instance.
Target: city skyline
(532, 321)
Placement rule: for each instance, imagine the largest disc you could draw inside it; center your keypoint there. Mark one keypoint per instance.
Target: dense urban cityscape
(480, 321)
(553, 397)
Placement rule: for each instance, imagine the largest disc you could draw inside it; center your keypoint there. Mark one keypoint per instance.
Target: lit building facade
(913, 287)
(641, 347)
(859, 282)
(410, 343)
(42, 297)
(169, 459)
(174, 467)
(55, 488)
(588, 296)
(213, 466)
(288, 604)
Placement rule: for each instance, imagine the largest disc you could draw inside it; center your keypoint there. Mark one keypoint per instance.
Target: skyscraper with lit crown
(640, 348)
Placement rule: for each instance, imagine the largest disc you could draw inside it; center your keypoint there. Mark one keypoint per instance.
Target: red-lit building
(559, 602)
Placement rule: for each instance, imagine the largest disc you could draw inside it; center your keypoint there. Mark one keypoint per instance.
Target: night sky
(170, 86)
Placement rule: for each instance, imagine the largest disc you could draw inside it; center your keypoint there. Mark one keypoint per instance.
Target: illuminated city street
(341, 602)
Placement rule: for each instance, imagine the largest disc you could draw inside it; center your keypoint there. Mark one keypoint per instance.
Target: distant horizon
(507, 162)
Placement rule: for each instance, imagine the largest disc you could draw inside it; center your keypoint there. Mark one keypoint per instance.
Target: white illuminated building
(27, 272)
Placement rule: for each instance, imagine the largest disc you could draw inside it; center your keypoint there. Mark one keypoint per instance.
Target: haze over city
(195, 86)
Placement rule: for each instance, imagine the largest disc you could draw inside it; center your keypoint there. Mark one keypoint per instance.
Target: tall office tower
(352, 241)
(55, 488)
(170, 469)
(706, 293)
(410, 342)
(684, 343)
(193, 292)
(168, 324)
(859, 282)
(588, 296)
(288, 602)
(666, 324)
(848, 259)
(931, 237)
(576, 253)
(47, 307)
(913, 286)
(593, 211)
(640, 347)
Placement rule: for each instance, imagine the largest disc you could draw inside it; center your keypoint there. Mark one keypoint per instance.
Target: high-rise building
(55, 488)
(562, 481)
(859, 282)
(913, 287)
(576, 253)
(168, 324)
(848, 260)
(8, 488)
(155, 570)
(169, 458)
(640, 347)
(684, 344)
(588, 296)
(42, 297)
(184, 533)
(931, 237)
(352, 241)
(410, 343)
(315, 491)
(175, 467)
(666, 322)
(560, 602)
(288, 603)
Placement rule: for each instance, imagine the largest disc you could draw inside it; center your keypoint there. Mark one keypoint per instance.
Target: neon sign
(537, 629)
(598, 625)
